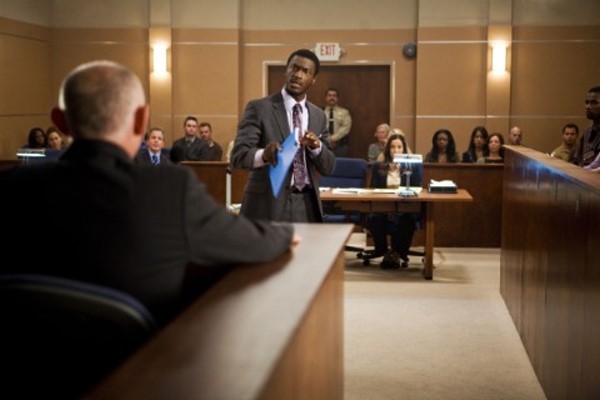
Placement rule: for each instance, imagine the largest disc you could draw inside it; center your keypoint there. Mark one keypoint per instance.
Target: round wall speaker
(409, 50)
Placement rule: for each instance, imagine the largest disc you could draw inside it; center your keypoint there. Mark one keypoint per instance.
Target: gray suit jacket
(265, 121)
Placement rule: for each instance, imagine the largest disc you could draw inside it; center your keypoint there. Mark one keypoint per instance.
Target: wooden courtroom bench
(265, 331)
(550, 269)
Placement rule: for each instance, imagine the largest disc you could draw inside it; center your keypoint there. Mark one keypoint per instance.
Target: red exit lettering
(328, 49)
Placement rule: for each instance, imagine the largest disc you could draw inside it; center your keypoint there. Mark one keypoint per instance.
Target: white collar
(290, 102)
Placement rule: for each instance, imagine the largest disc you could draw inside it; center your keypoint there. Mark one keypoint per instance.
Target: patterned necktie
(331, 121)
(154, 159)
(298, 165)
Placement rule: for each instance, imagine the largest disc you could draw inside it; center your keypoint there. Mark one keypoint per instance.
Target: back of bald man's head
(100, 98)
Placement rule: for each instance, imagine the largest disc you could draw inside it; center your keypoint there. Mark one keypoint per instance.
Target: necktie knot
(297, 121)
(155, 159)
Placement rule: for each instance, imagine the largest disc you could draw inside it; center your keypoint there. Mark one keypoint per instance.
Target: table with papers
(366, 200)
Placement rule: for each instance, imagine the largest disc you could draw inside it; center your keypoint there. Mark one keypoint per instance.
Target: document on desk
(285, 157)
(416, 189)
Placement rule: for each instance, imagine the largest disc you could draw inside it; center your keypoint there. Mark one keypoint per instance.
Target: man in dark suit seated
(152, 232)
(152, 152)
(190, 147)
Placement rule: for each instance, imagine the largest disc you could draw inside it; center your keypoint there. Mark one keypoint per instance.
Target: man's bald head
(100, 98)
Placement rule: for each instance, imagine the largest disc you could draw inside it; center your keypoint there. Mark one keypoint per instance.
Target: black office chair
(348, 173)
(59, 336)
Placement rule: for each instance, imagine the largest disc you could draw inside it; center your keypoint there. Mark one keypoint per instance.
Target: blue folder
(285, 157)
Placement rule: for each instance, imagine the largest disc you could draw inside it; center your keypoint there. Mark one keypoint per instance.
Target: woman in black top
(401, 226)
(443, 148)
(478, 145)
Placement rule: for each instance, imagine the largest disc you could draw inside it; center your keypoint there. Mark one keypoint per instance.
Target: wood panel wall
(550, 269)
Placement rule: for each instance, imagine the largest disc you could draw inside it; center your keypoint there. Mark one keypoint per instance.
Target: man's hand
(311, 140)
(270, 153)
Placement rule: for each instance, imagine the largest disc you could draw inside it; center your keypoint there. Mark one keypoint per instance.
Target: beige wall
(219, 52)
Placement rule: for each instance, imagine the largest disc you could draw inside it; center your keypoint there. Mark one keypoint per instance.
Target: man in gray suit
(266, 123)
(155, 233)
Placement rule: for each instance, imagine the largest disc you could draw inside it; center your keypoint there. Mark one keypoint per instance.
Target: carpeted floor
(448, 338)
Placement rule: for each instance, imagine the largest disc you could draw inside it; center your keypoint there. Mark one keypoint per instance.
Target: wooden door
(363, 89)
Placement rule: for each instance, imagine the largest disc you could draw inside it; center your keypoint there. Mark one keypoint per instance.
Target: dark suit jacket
(265, 121)
(214, 152)
(134, 227)
(143, 157)
(198, 151)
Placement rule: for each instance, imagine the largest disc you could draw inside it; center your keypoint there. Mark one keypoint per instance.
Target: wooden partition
(473, 224)
(550, 269)
(267, 331)
(214, 173)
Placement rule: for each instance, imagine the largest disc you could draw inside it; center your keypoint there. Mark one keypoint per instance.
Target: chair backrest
(60, 336)
(348, 172)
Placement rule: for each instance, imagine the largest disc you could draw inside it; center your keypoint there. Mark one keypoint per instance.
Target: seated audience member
(496, 147)
(515, 136)
(155, 233)
(152, 153)
(588, 147)
(568, 147)
(443, 148)
(55, 139)
(190, 147)
(215, 151)
(478, 145)
(56, 144)
(375, 149)
(401, 226)
(66, 139)
(36, 139)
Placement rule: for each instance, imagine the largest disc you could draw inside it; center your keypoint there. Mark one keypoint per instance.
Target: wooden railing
(550, 269)
(266, 331)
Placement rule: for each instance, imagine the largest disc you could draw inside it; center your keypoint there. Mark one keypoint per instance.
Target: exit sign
(328, 51)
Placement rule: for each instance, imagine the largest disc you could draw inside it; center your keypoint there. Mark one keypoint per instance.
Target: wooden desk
(425, 201)
(266, 331)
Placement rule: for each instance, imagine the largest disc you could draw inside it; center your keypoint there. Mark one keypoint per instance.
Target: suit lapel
(311, 120)
(280, 116)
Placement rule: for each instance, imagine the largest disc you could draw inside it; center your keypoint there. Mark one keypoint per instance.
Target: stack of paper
(445, 186)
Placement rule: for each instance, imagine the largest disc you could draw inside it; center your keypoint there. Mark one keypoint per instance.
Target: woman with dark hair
(401, 226)
(496, 146)
(37, 139)
(443, 148)
(478, 145)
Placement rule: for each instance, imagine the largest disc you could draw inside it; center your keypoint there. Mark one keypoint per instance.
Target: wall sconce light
(160, 58)
(499, 56)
